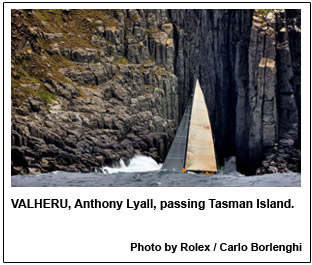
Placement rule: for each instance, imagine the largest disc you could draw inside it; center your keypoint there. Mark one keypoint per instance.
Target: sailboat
(192, 148)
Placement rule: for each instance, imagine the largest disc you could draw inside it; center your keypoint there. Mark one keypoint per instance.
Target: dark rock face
(244, 63)
(125, 90)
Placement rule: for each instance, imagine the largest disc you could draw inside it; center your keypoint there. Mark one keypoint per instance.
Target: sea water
(145, 172)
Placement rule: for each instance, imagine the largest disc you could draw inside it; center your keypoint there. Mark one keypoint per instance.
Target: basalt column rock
(92, 87)
(288, 109)
(108, 93)
(241, 79)
(293, 20)
(261, 90)
(285, 157)
(187, 41)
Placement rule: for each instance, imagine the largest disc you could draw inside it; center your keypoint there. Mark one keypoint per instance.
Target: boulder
(85, 77)
(85, 55)
(35, 103)
(52, 36)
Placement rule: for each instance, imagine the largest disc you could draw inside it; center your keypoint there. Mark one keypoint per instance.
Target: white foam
(138, 163)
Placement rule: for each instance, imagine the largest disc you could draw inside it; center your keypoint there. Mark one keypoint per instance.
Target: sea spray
(139, 163)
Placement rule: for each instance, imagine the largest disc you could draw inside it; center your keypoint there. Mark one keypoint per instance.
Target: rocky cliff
(92, 86)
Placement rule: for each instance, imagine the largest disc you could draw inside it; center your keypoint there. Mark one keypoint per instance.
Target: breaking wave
(143, 171)
(139, 163)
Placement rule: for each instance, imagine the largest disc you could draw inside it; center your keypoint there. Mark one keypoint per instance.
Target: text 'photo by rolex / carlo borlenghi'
(163, 98)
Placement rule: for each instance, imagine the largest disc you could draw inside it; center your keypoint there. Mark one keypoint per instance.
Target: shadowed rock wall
(243, 59)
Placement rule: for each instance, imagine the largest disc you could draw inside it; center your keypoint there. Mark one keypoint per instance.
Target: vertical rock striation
(116, 82)
(261, 89)
(244, 63)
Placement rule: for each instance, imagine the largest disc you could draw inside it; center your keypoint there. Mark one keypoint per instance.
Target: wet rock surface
(92, 87)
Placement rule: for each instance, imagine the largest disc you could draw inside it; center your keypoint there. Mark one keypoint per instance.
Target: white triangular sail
(200, 155)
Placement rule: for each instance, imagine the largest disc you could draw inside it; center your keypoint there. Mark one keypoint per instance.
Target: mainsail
(200, 155)
(192, 148)
(175, 159)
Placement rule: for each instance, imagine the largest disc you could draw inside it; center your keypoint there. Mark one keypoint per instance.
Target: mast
(200, 155)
